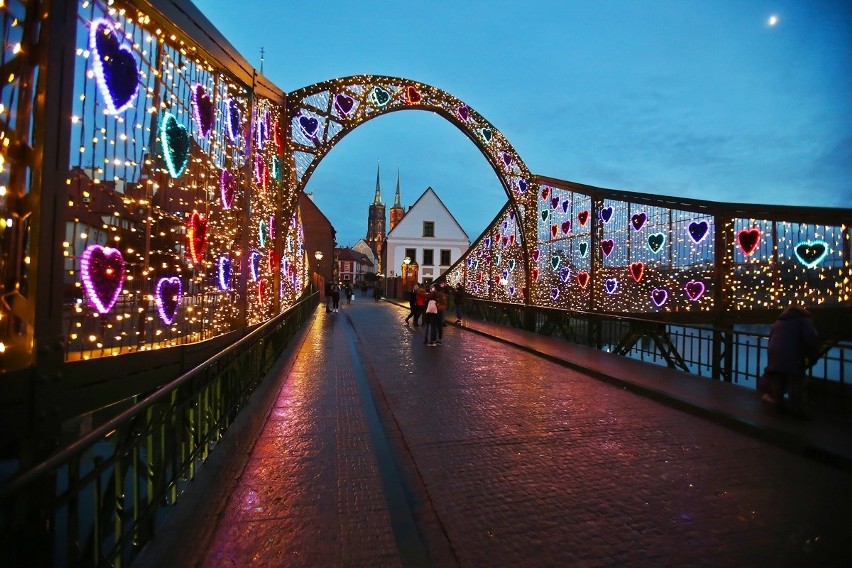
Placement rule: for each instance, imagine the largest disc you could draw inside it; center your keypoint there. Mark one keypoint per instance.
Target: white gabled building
(428, 234)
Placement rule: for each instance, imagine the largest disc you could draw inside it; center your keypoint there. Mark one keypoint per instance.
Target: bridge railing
(737, 355)
(98, 501)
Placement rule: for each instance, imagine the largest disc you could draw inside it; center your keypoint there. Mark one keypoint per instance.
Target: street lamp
(318, 255)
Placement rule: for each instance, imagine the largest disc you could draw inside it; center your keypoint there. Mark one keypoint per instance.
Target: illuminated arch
(320, 115)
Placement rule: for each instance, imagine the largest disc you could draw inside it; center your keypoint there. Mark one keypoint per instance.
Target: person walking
(348, 289)
(430, 317)
(328, 288)
(793, 348)
(335, 297)
(442, 300)
(412, 302)
(377, 292)
(420, 306)
(459, 299)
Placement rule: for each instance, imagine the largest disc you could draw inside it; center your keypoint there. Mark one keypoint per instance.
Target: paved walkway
(367, 448)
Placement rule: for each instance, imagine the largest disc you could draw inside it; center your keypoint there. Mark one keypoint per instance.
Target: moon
(773, 20)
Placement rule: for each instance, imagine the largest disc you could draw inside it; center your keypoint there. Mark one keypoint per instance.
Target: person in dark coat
(792, 350)
(412, 299)
(459, 298)
(335, 297)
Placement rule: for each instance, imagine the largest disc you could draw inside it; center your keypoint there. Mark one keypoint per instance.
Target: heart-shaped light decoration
(656, 241)
(554, 261)
(233, 119)
(507, 158)
(748, 239)
(638, 220)
(811, 252)
(227, 188)
(606, 214)
(511, 264)
(554, 231)
(554, 293)
(607, 245)
(197, 237)
(254, 265)
(343, 104)
(545, 214)
(497, 259)
(276, 168)
(504, 240)
(486, 134)
(583, 247)
(565, 205)
(276, 135)
(659, 296)
(412, 95)
(261, 291)
(611, 285)
(637, 270)
(202, 110)
(175, 141)
(535, 273)
(545, 192)
(115, 68)
(694, 290)
(583, 278)
(261, 233)
(309, 125)
(223, 269)
(511, 239)
(698, 230)
(522, 185)
(272, 260)
(271, 226)
(565, 274)
(102, 269)
(536, 254)
(566, 227)
(504, 276)
(583, 217)
(463, 112)
(379, 96)
(512, 290)
(167, 298)
(487, 242)
(554, 202)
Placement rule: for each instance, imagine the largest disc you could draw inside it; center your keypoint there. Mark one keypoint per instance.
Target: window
(412, 254)
(445, 257)
(428, 257)
(428, 230)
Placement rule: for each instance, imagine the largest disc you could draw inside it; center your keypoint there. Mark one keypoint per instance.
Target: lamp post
(405, 263)
(319, 278)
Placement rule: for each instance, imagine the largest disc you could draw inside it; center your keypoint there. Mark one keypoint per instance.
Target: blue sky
(702, 99)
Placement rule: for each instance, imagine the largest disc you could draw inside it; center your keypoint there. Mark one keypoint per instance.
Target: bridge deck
(367, 448)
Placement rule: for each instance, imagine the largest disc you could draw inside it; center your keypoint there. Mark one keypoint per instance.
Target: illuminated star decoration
(167, 298)
(103, 275)
(116, 71)
(175, 141)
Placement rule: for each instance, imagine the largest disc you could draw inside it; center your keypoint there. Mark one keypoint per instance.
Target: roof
(352, 256)
(441, 203)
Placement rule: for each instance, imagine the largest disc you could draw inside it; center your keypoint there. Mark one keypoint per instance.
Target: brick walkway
(368, 448)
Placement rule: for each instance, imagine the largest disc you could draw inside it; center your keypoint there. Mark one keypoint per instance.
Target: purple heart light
(115, 68)
(227, 188)
(638, 220)
(659, 296)
(234, 119)
(343, 104)
(202, 110)
(606, 214)
(167, 298)
(463, 112)
(103, 271)
(565, 274)
(694, 290)
(698, 230)
(611, 285)
(554, 293)
(308, 125)
(224, 272)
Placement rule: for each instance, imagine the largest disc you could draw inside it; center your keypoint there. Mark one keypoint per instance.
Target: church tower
(376, 224)
(396, 212)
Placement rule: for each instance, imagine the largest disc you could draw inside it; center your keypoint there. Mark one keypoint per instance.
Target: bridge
(156, 274)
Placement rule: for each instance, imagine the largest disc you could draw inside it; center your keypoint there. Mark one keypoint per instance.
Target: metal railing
(99, 500)
(735, 354)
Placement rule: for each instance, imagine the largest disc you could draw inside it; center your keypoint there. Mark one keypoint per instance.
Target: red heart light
(554, 231)
(412, 95)
(748, 239)
(582, 217)
(535, 274)
(197, 235)
(545, 192)
(583, 278)
(637, 270)
(607, 246)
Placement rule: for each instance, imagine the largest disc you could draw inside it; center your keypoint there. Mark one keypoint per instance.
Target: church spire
(396, 199)
(378, 199)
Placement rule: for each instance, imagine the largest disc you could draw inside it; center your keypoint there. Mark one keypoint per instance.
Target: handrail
(52, 462)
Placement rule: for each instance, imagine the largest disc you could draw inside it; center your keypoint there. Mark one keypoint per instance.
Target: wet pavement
(368, 448)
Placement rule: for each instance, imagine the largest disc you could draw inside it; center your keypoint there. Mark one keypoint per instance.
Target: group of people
(429, 306)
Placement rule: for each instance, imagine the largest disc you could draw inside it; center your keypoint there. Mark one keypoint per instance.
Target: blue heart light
(175, 141)
(115, 68)
(811, 252)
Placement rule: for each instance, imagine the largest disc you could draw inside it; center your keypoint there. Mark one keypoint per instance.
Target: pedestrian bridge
(156, 265)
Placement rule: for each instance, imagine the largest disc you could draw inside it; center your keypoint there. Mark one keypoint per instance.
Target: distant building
(352, 266)
(362, 247)
(427, 234)
(319, 238)
(376, 224)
